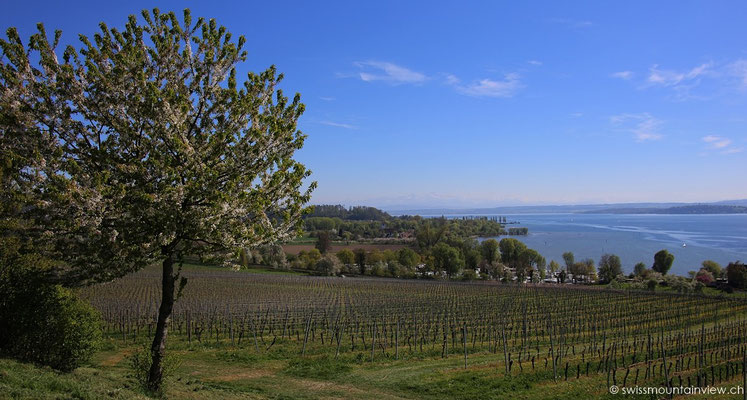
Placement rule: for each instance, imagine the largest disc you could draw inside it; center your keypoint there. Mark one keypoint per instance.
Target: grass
(25, 381)
(222, 371)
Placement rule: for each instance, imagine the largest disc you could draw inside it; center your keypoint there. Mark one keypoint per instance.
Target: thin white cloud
(733, 150)
(643, 126)
(372, 71)
(338, 125)
(703, 81)
(721, 144)
(325, 98)
(452, 80)
(506, 87)
(535, 62)
(626, 75)
(716, 142)
(738, 69)
(664, 77)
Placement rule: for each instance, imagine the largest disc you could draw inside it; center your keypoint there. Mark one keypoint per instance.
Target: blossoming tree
(141, 146)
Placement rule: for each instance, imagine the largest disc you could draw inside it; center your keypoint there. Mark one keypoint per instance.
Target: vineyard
(549, 335)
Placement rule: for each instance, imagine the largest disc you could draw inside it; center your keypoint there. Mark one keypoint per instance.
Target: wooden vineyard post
(306, 335)
(373, 341)
(396, 342)
(189, 328)
(664, 360)
(254, 335)
(464, 343)
(340, 331)
(552, 350)
(505, 351)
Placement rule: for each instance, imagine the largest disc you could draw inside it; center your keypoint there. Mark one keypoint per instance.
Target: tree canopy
(609, 267)
(490, 251)
(736, 273)
(713, 267)
(662, 261)
(447, 258)
(511, 249)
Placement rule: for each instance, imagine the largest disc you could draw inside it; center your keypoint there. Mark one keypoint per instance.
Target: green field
(257, 335)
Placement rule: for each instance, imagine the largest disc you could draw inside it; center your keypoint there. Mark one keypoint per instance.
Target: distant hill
(742, 202)
(732, 207)
(690, 209)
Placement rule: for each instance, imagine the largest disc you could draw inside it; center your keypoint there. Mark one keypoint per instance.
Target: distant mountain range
(719, 207)
(693, 209)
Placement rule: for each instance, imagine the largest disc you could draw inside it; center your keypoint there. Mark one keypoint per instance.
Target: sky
(480, 104)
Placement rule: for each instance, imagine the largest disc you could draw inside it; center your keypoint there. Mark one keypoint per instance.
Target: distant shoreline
(683, 210)
(720, 207)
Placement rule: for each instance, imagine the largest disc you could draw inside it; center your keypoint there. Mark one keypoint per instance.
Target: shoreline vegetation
(338, 241)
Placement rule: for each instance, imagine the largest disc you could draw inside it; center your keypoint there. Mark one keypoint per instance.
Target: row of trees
(735, 274)
(449, 257)
(356, 213)
(508, 259)
(426, 230)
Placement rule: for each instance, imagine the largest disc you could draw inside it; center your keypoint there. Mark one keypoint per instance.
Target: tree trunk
(158, 348)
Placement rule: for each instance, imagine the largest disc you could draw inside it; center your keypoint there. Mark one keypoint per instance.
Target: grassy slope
(210, 371)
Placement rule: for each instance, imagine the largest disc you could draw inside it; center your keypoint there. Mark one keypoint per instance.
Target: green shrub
(615, 284)
(469, 275)
(141, 361)
(45, 323)
(328, 265)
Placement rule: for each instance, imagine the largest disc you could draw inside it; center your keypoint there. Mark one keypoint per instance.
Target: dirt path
(115, 359)
(251, 374)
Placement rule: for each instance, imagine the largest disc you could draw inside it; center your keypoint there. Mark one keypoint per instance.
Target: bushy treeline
(356, 213)
(402, 263)
(405, 227)
(430, 230)
(445, 256)
(271, 255)
(441, 247)
(711, 274)
(357, 230)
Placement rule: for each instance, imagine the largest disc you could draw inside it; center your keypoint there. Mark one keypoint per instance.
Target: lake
(635, 238)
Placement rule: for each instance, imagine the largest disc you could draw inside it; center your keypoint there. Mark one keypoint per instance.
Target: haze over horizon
(416, 104)
(436, 203)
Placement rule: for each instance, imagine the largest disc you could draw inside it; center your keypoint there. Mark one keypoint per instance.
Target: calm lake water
(635, 238)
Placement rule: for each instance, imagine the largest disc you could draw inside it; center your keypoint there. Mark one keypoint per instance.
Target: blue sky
(464, 104)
